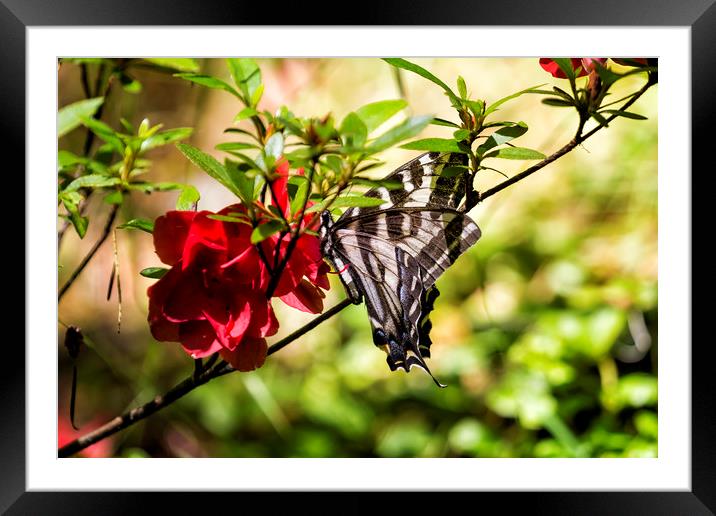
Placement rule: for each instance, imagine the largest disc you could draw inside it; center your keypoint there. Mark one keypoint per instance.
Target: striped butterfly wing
(392, 254)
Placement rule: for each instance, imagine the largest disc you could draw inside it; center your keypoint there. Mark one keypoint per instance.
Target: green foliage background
(545, 332)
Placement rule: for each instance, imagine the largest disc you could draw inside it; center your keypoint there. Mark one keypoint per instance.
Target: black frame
(699, 15)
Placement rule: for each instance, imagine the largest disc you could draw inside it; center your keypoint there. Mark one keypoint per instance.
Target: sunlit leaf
(70, 116)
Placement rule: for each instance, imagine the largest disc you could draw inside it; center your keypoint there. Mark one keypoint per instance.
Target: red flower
(306, 259)
(212, 299)
(585, 65)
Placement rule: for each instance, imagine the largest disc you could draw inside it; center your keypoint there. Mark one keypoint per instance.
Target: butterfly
(390, 255)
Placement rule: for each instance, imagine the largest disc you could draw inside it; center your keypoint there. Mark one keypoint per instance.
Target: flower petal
(170, 232)
(250, 355)
(306, 297)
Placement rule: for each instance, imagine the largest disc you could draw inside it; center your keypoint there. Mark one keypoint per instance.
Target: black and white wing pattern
(390, 255)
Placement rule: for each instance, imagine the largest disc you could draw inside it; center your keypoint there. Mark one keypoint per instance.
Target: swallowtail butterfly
(390, 255)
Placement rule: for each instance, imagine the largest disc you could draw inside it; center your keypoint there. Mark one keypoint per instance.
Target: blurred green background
(545, 332)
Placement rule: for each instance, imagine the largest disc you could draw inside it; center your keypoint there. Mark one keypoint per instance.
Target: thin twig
(105, 233)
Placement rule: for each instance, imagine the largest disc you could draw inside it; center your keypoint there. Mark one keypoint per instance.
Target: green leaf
(244, 183)
(354, 131)
(166, 137)
(141, 224)
(375, 114)
(443, 122)
(502, 135)
(461, 87)
(209, 165)
(257, 94)
(70, 116)
(274, 146)
(229, 218)
(114, 197)
(153, 272)
(66, 160)
(461, 134)
(104, 132)
(263, 231)
(406, 129)
(246, 75)
(188, 198)
(71, 203)
(208, 81)
(412, 67)
(389, 184)
(515, 153)
(245, 113)
(492, 107)
(434, 144)
(231, 146)
(180, 64)
(599, 118)
(360, 201)
(625, 114)
(300, 196)
(557, 102)
(130, 84)
(92, 181)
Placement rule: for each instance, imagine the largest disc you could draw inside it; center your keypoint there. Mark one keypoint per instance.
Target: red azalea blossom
(214, 297)
(585, 65)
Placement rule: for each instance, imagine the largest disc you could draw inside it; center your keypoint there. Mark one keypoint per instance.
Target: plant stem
(105, 233)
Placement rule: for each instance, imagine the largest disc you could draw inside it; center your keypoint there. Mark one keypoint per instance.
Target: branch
(183, 388)
(577, 140)
(90, 255)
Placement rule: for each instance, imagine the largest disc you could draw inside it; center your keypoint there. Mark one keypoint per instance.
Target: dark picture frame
(700, 15)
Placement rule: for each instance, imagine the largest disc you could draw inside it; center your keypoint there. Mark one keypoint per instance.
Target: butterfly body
(390, 255)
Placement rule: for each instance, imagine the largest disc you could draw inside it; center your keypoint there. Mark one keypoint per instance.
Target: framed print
(261, 165)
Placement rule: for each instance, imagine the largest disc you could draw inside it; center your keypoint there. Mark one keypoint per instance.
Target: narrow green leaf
(180, 64)
(625, 114)
(406, 129)
(71, 204)
(565, 65)
(257, 94)
(412, 67)
(461, 134)
(360, 201)
(141, 224)
(244, 183)
(375, 114)
(263, 231)
(166, 137)
(230, 146)
(246, 75)
(354, 131)
(433, 144)
(188, 198)
(208, 81)
(461, 87)
(245, 113)
(114, 197)
(599, 118)
(92, 181)
(443, 122)
(230, 218)
(300, 196)
(501, 136)
(492, 107)
(515, 153)
(104, 132)
(70, 116)
(153, 272)
(557, 102)
(209, 165)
